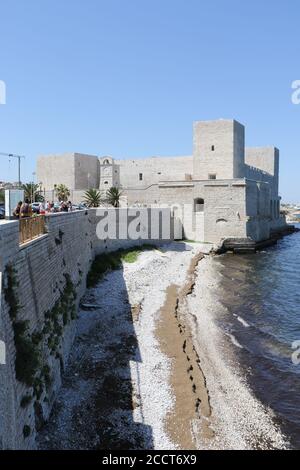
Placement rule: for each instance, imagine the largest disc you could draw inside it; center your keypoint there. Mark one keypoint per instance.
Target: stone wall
(219, 148)
(224, 209)
(47, 277)
(87, 170)
(76, 171)
(224, 212)
(258, 210)
(237, 208)
(263, 158)
(262, 164)
(56, 169)
(141, 173)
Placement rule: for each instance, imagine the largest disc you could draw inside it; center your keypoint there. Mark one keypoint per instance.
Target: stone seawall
(42, 283)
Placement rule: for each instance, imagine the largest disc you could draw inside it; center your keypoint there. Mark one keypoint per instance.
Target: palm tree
(113, 196)
(62, 192)
(93, 198)
(32, 192)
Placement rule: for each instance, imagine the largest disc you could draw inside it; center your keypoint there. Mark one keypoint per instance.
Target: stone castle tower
(219, 150)
(109, 173)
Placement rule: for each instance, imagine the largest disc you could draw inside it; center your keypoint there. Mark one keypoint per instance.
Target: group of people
(61, 207)
(24, 209)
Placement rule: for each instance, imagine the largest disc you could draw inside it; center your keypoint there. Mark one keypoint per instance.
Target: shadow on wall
(94, 409)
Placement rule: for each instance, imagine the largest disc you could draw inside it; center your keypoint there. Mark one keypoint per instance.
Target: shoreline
(145, 371)
(240, 420)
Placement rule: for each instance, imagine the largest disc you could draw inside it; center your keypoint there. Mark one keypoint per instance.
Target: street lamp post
(19, 157)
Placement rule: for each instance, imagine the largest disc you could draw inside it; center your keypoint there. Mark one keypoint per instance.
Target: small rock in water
(90, 306)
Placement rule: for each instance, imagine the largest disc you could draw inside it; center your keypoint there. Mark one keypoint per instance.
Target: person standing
(25, 210)
(17, 210)
(42, 209)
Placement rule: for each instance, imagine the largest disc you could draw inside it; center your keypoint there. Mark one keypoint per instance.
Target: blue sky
(128, 77)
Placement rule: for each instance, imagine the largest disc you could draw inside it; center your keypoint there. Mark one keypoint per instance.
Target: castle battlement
(220, 159)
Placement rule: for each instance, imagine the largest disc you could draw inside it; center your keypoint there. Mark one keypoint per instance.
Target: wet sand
(191, 412)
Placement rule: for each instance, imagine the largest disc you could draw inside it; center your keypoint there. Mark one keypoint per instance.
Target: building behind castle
(222, 191)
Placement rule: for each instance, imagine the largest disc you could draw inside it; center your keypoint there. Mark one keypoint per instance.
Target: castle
(224, 191)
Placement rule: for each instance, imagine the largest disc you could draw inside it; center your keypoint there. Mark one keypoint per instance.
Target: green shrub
(46, 373)
(38, 387)
(111, 261)
(10, 295)
(29, 367)
(27, 355)
(26, 399)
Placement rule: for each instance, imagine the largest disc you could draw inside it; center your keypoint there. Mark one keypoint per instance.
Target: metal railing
(31, 228)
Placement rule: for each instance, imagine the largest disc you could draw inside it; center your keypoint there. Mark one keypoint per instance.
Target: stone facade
(77, 171)
(219, 150)
(234, 187)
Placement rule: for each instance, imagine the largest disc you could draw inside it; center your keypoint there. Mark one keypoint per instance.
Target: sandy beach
(147, 369)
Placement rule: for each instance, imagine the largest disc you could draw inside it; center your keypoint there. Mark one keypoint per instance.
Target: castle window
(212, 148)
(141, 176)
(105, 182)
(106, 162)
(199, 205)
(212, 177)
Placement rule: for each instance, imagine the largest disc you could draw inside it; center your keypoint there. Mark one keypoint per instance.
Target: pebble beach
(147, 368)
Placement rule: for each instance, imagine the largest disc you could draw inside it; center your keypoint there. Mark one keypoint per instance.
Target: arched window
(106, 162)
(199, 205)
(105, 182)
(221, 221)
